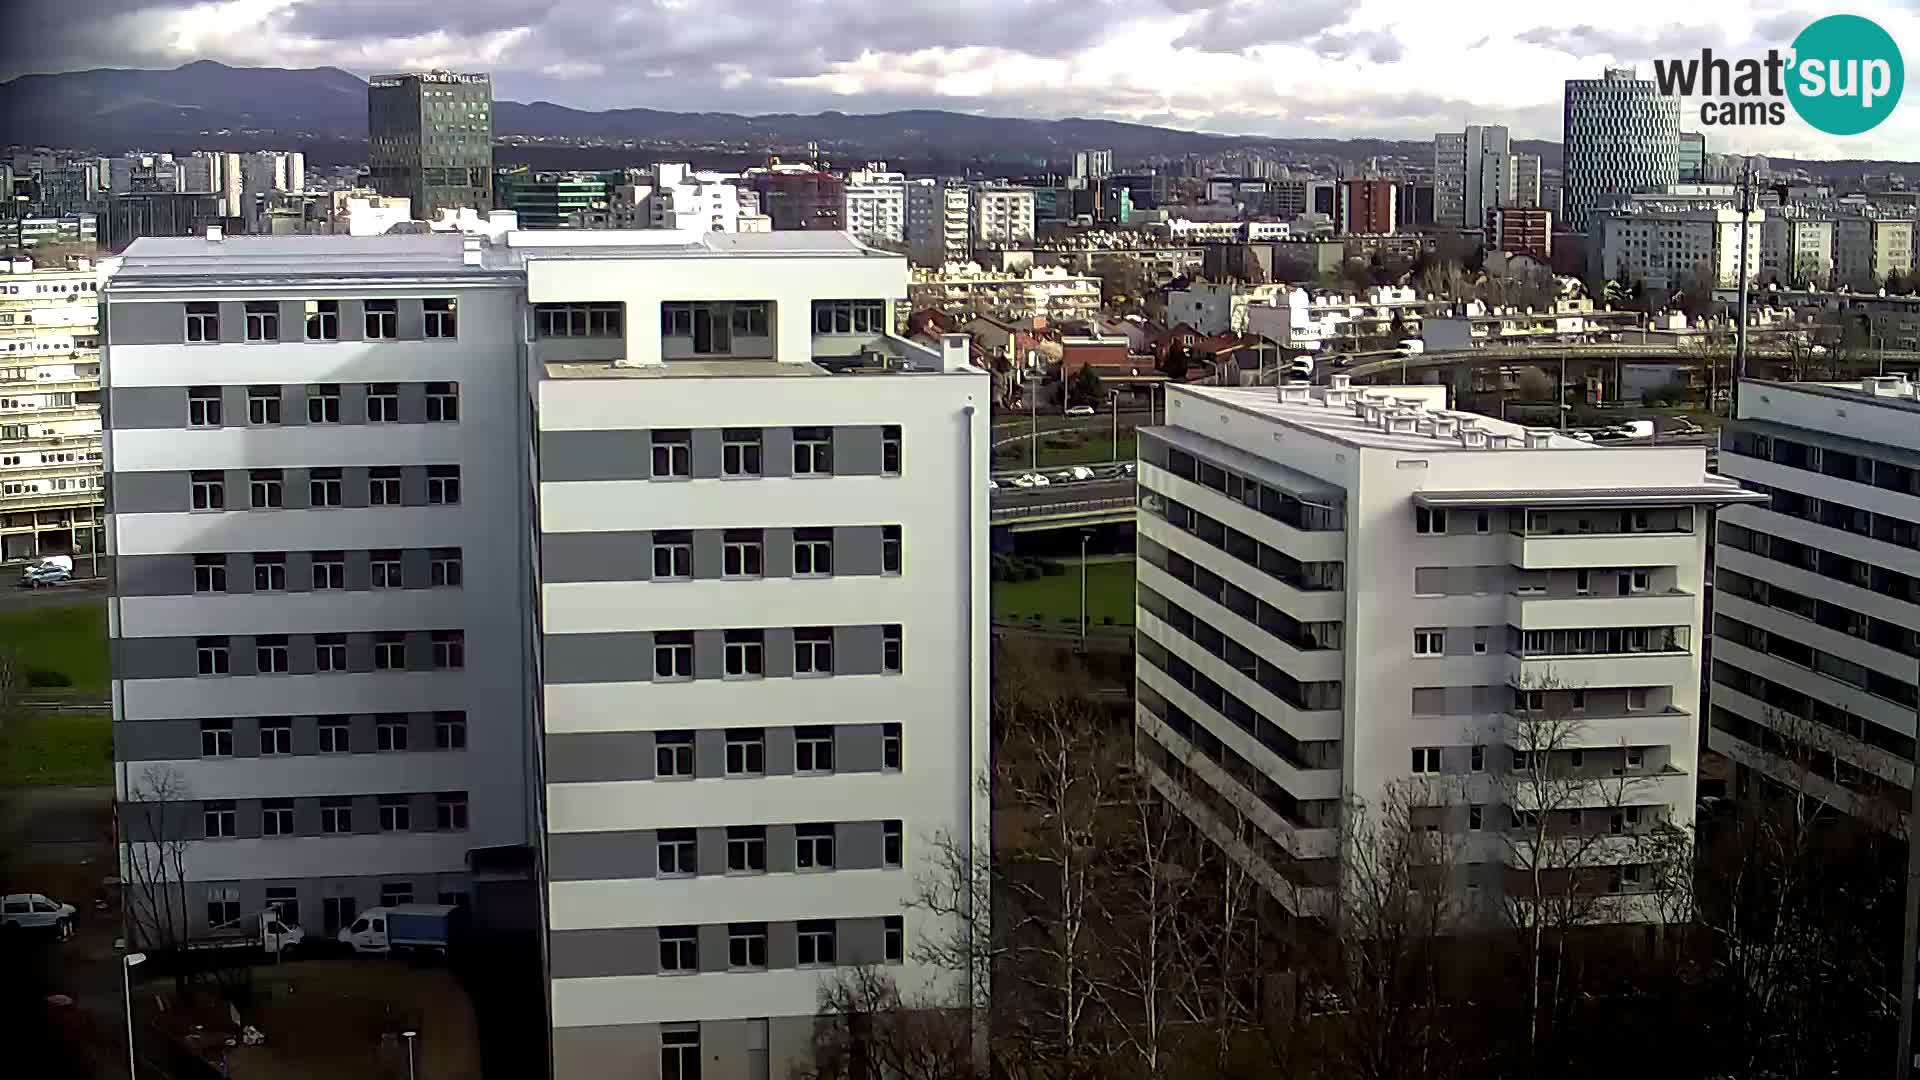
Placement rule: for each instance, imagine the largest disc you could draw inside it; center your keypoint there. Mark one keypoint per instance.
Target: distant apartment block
(50, 456)
(1002, 216)
(1521, 231)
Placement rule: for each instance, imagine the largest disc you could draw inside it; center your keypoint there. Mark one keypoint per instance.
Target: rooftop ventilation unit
(1444, 427)
(1339, 382)
(1472, 437)
(1888, 386)
(1295, 393)
(1539, 439)
(1498, 442)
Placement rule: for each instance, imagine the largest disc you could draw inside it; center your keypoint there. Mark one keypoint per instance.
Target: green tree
(1085, 387)
(1175, 366)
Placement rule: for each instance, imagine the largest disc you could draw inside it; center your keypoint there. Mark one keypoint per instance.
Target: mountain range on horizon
(204, 103)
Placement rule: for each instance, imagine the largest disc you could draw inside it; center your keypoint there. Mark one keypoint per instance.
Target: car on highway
(35, 911)
(1080, 410)
(993, 485)
(53, 570)
(1030, 480)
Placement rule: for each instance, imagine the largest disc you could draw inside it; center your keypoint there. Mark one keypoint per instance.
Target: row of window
(380, 320)
(1608, 641)
(744, 653)
(394, 813)
(326, 487)
(711, 324)
(1893, 530)
(1300, 754)
(1837, 764)
(335, 734)
(1277, 564)
(1794, 651)
(1825, 562)
(385, 567)
(1439, 521)
(264, 403)
(1305, 814)
(1790, 702)
(336, 912)
(677, 851)
(1279, 505)
(743, 553)
(742, 450)
(1300, 635)
(1431, 761)
(674, 753)
(1307, 696)
(272, 655)
(1827, 461)
(817, 942)
(1832, 616)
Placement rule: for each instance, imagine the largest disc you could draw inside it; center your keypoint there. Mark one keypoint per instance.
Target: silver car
(34, 911)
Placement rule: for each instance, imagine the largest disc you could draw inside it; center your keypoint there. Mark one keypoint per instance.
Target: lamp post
(1033, 422)
(409, 1036)
(127, 964)
(1085, 535)
(1116, 424)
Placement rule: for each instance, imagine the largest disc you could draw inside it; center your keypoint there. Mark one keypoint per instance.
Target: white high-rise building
(875, 207)
(939, 222)
(1345, 591)
(1621, 135)
(1002, 216)
(1523, 181)
(1092, 164)
(682, 198)
(49, 408)
(1489, 168)
(1449, 178)
(1797, 251)
(1817, 595)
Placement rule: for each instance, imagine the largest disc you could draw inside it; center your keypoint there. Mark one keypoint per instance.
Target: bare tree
(153, 819)
(865, 1029)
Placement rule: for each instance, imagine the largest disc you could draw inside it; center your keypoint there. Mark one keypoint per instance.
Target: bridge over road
(1063, 505)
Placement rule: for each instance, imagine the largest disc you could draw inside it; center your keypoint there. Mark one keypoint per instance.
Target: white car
(1080, 410)
(34, 911)
(1039, 480)
(993, 485)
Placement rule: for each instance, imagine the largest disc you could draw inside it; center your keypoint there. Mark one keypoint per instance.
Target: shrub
(1051, 568)
(43, 678)
(1106, 620)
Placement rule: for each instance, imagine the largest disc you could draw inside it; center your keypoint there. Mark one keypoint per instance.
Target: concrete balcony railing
(1575, 551)
(1534, 612)
(1592, 730)
(1594, 794)
(43, 413)
(1571, 672)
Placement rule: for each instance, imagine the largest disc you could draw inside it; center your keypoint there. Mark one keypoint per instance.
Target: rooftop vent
(470, 251)
(1472, 437)
(1401, 423)
(1498, 442)
(1424, 425)
(1444, 426)
(1888, 386)
(1295, 393)
(1414, 404)
(215, 234)
(1339, 382)
(1539, 438)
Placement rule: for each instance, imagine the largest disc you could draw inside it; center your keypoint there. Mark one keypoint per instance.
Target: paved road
(66, 826)
(16, 599)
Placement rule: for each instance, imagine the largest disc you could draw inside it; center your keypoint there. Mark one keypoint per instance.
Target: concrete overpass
(1063, 506)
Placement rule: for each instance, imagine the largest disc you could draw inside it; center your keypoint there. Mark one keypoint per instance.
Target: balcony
(1602, 730)
(1599, 794)
(1575, 551)
(1536, 612)
(1574, 671)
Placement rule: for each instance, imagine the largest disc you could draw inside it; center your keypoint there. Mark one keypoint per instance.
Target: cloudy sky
(1339, 68)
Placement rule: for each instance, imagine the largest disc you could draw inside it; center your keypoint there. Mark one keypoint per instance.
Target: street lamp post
(1033, 422)
(127, 964)
(409, 1036)
(1085, 535)
(1116, 424)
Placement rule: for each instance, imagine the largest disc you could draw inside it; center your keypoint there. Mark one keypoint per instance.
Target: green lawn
(70, 639)
(1109, 593)
(1097, 450)
(57, 750)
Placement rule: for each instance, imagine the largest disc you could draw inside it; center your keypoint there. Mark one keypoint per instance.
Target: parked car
(1080, 410)
(52, 570)
(35, 911)
(1039, 480)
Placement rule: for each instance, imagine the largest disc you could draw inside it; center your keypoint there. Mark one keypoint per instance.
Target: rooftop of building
(1334, 412)
(1884, 391)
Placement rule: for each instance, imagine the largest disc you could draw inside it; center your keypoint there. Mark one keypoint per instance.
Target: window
(1532, 583)
(1426, 759)
(269, 572)
(223, 906)
(1636, 698)
(672, 655)
(1636, 757)
(209, 573)
(673, 556)
(323, 320)
(263, 321)
(890, 549)
(1476, 817)
(891, 653)
(1577, 701)
(383, 403)
(450, 811)
(750, 319)
(740, 451)
(849, 317)
(1637, 520)
(812, 552)
(270, 654)
(334, 735)
(747, 946)
(216, 738)
(323, 403)
(676, 852)
(266, 489)
(324, 488)
(672, 453)
(1480, 641)
(893, 844)
(673, 755)
(1479, 762)
(1481, 521)
(395, 892)
(746, 752)
(813, 650)
(440, 318)
(813, 847)
(680, 1054)
(449, 650)
(812, 451)
(1638, 581)
(1583, 582)
(276, 818)
(203, 322)
(329, 570)
(449, 731)
(813, 750)
(383, 319)
(746, 849)
(816, 943)
(384, 569)
(745, 654)
(390, 652)
(1429, 642)
(443, 485)
(1577, 759)
(1529, 700)
(209, 491)
(740, 553)
(443, 572)
(1429, 521)
(383, 486)
(276, 735)
(893, 935)
(890, 450)
(890, 747)
(219, 818)
(336, 815)
(443, 402)
(390, 732)
(203, 406)
(577, 320)
(211, 652)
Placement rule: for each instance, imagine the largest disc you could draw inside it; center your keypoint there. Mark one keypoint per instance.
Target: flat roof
(1856, 392)
(1343, 425)
(681, 369)
(1686, 495)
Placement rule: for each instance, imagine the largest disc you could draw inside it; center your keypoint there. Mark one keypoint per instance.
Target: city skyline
(1385, 69)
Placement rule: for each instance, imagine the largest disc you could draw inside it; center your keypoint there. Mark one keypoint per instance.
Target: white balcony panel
(1596, 612)
(1311, 665)
(1576, 550)
(1626, 669)
(718, 898)
(1307, 725)
(721, 703)
(1305, 605)
(632, 505)
(326, 856)
(1300, 783)
(655, 804)
(614, 606)
(1319, 545)
(1826, 538)
(1888, 714)
(328, 612)
(1302, 843)
(345, 529)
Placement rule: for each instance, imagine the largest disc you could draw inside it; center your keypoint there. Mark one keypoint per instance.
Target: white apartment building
(1342, 590)
(1051, 292)
(1523, 181)
(765, 666)
(1489, 168)
(1796, 251)
(318, 514)
(681, 198)
(939, 222)
(1666, 247)
(876, 209)
(49, 408)
(1002, 216)
(1817, 593)
(1867, 248)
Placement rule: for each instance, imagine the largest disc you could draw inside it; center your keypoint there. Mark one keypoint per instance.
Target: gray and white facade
(1620, 135)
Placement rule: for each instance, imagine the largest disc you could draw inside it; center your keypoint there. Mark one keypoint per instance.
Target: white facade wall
(1002, 217)
(49, 410)
(877, 211)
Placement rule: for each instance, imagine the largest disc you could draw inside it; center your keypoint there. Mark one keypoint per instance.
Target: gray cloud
(1584, 40)
(1242, 24)
(1379, 46)
(342, 20)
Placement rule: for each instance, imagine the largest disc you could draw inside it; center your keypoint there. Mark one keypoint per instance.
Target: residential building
(1449, 178)
(1092, 165)
(1621, 135)
(1368, 207)
(1517, 627)
(1693, 157)
(680, 197)
(1002, 216)
(1489, 166)
(1814, 603)
(1523, 180)
(1668, 247)
(1796, 251)
(430, 139)
(800, 197)
(939, 216)
(876, 206)
(1049, 292)
(49, 408)
(1521, 231)
(747, 809)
